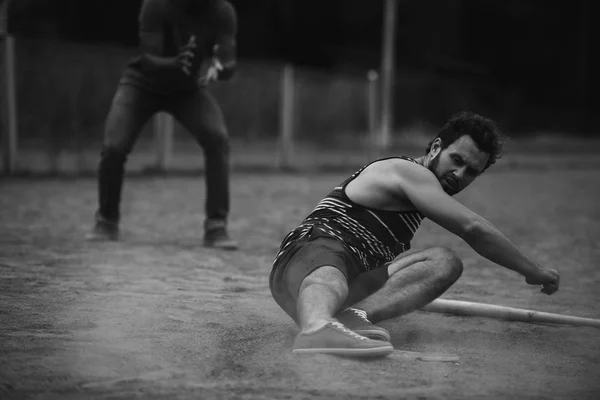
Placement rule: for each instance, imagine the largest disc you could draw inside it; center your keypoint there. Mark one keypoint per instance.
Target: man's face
(457, 165)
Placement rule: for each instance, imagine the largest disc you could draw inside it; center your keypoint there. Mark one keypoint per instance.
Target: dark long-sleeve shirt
(216, 24)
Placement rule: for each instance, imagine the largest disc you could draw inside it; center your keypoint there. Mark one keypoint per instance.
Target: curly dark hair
(485, 133)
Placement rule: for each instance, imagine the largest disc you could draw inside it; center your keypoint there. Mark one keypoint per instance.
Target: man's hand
(186, 54)
(214, 69)
(547, 277)
(212, 72)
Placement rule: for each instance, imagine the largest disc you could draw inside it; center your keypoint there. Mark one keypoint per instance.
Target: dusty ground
(157, 316)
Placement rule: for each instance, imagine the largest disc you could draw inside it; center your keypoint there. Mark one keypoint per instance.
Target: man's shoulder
(158, 8)
(394, 171)
(224, 5)
(393, 163)
(156, 4)
(224, 9)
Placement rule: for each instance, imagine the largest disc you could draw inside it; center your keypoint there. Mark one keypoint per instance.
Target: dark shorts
(302, 257)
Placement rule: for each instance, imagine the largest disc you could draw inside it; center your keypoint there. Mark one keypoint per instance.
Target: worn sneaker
(104, 230)
(218, 237)
(334, 338)
(357, 320)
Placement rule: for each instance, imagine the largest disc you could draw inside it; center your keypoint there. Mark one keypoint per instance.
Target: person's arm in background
(225, 50)
(151, 21)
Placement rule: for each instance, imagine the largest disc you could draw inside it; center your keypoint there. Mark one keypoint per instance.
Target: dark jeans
(197, 111)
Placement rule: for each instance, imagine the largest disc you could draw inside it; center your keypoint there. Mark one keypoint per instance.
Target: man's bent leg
(320, 296)
(414, 281)
(130, 110)
(310, 282)
(203, 118)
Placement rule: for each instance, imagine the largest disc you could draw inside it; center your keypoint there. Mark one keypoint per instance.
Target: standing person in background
(185, 44)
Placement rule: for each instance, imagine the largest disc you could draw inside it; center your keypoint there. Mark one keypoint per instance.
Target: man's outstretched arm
(423, 189)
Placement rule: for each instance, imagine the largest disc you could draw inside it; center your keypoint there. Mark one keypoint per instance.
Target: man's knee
(327, 276)
(113, 156)
(448, 267)
(216, 141)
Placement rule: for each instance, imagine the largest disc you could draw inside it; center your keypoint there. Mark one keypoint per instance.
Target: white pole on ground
(163, 135)
(387, 72)
(467, 308)
(285, 147)
(372, 80)
(9, 112)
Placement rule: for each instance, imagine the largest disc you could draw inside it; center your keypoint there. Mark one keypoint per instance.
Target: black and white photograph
(299, 199)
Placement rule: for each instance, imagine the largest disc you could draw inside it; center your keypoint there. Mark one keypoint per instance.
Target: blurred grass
(65, 90)
(542, 153)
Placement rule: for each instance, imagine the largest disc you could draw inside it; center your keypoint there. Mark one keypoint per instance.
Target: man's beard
(433, 166)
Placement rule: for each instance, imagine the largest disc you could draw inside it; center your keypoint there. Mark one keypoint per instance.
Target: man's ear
(436, 148)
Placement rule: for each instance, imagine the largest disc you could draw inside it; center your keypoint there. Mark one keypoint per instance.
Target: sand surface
(157, 316)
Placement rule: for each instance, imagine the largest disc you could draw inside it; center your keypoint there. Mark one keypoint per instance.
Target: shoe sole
(353, 352)
(374, 334)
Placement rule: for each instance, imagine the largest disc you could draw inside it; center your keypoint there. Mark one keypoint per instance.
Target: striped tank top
(374, 236)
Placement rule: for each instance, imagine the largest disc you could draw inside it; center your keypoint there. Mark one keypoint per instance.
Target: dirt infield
(157, 316)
